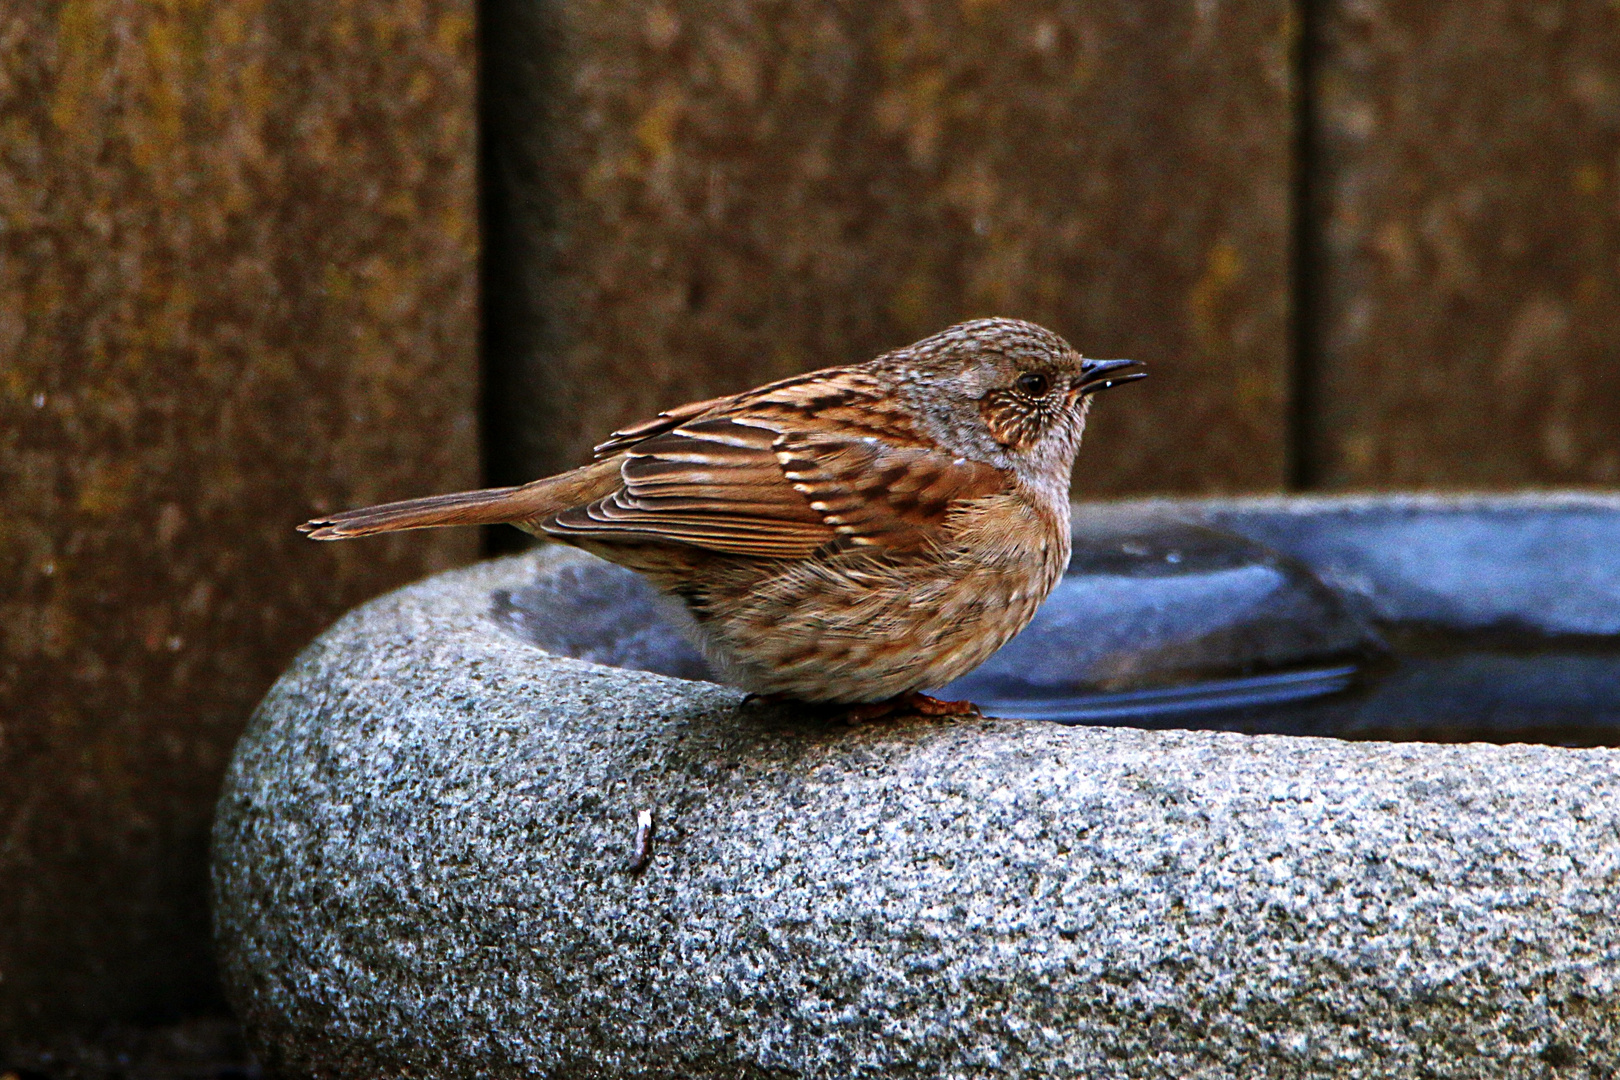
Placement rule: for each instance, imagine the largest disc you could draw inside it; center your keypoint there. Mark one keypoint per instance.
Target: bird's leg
(914, 704)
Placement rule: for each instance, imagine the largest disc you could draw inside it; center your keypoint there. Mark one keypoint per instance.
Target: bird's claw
(910, 704)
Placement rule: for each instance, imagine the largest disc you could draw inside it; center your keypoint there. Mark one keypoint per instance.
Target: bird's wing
(625, 438)
(670, 419)
(781, 471)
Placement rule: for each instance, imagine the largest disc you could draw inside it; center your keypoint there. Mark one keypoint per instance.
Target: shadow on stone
(593, 610)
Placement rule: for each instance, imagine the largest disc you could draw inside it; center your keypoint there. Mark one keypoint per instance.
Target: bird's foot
(923, 705)
(909, 705)
(894, 708)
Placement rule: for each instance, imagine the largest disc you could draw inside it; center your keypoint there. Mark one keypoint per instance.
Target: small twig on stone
(641, 853)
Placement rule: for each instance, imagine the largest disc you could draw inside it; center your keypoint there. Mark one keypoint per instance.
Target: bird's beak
(1098, 375)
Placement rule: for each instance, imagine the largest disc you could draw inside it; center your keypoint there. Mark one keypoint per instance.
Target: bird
(853, 536)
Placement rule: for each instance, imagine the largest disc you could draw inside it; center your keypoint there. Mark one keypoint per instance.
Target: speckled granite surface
(422, 864)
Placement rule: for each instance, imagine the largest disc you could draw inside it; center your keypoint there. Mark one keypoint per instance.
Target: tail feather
(492, 506)
(463, 508)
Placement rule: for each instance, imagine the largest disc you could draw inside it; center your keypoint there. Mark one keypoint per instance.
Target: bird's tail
(493, 506)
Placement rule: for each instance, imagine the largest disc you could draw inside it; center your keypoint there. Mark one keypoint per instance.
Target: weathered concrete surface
(421, 865)
(689, 198)
(1466, 290)
(237, 270)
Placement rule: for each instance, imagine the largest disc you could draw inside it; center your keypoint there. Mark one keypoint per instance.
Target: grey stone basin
(424, 852)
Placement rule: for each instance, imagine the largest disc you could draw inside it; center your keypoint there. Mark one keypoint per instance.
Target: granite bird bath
(424, 852)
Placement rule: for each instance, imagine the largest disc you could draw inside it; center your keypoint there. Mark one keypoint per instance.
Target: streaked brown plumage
(852, 535)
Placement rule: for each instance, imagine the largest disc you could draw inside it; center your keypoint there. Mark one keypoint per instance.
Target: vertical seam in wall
(490, 215)
(514, 83)
(1302, 414)
(485, 196)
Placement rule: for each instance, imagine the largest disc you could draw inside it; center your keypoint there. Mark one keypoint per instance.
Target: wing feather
(779, 472)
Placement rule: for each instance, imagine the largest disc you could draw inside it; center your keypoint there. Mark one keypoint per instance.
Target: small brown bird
(854, 535)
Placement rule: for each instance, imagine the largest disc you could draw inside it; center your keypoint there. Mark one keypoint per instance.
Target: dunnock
(853, 535)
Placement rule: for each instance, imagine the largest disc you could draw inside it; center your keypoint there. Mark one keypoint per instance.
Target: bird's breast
(1012, 533)
(858, 625)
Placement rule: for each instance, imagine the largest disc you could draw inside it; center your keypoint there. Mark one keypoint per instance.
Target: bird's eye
(1033, 383)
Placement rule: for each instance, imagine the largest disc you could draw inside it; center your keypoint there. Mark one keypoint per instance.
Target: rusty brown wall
(237, 283)
(1465, 271)
(695, 197)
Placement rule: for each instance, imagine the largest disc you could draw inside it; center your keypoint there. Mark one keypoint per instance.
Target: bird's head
(1006, 392)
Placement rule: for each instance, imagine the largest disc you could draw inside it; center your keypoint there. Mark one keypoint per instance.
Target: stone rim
(1505, 803)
